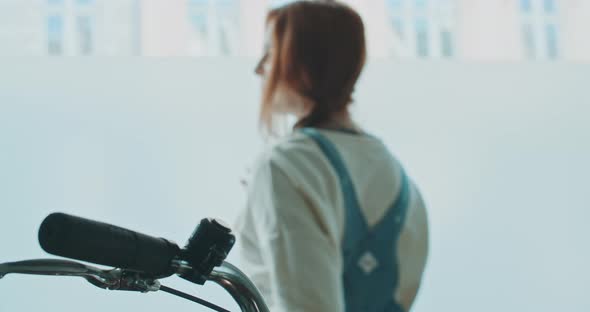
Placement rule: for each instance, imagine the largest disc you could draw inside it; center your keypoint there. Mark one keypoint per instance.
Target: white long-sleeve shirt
(290, 233)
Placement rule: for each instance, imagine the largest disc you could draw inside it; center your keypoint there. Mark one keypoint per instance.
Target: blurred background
(494, 30)
(143, 113)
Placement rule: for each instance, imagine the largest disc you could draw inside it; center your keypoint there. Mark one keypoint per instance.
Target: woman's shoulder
(299, 144)
(300, 158)
(292, 153)
(294, 145)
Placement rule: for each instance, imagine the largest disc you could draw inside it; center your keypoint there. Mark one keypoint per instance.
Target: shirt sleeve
(413, 245)
(303, 262)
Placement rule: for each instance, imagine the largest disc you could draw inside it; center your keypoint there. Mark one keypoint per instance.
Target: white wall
(500, 151)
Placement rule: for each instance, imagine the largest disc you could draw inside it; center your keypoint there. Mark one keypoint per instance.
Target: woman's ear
(259, 69)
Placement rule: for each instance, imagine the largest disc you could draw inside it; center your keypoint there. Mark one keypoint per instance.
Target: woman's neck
(340, 121)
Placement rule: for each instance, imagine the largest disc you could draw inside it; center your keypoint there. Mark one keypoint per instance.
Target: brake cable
(192, 298)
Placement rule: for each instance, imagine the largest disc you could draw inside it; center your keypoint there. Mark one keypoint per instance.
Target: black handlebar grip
(101, 243)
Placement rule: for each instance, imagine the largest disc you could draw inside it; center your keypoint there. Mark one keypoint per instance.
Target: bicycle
(139, 261)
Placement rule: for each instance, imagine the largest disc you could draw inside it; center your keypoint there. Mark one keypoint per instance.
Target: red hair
(319, 53)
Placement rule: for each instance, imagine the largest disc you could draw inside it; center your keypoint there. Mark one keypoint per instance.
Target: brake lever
(114, 279)
(56, 267)
(131, 281)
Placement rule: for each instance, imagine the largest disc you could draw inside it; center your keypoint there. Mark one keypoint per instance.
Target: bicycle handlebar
(200, 261)
(227, 276)
(97, 242)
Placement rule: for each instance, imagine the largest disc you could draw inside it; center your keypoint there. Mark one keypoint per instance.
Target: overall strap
(396, 215)
(356, 225)
(370, 275)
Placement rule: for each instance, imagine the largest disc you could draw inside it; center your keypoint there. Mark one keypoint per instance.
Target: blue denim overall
(370, 271)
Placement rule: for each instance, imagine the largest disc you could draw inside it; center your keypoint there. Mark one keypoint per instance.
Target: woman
(332, 222)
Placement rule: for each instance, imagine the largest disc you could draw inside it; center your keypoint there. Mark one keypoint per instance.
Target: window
(446, 39)
(395, 5)
(540, 36)
(198, 15)
(229, 26)
(398, 26)
(552, 44)
(526, 6)
(528, 38)
(422, 37)
(84, 2)
(85, 35)
(422, 28)
(421, 4)
(549, 6)
(199, 22)
(216, 26)
(396, 16)
(55, 31)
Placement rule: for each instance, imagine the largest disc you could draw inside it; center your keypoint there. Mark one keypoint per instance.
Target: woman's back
(292, 232)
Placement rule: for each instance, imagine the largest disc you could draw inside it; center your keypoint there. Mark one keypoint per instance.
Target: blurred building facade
(524, 29)
(472, 30)
(69, 27)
